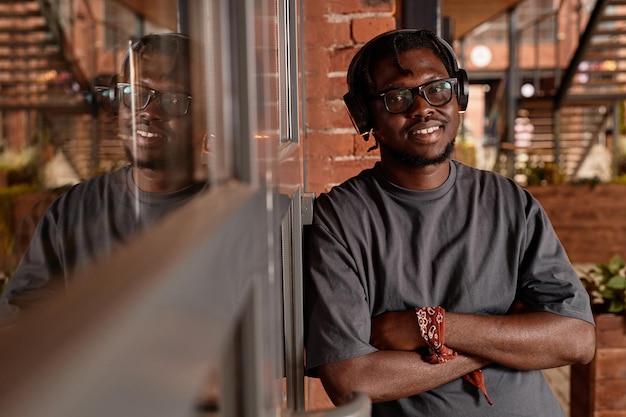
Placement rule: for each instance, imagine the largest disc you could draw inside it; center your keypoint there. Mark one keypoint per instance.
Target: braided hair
(392, 45)
(175, 45)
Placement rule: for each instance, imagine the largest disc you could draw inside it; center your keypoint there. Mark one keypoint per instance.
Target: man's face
(423, 134)
(155, 138)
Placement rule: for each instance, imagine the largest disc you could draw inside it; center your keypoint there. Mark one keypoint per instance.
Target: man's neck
(161, 181)
(423, 178)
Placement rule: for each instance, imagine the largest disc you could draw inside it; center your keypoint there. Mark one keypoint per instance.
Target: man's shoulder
(464, 170)
(89, 192)
(356, 184)
(99, 182)
(485, 178)
(349, 199)
(356, 187)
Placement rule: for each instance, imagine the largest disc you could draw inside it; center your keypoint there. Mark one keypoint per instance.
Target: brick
(318, 61)
(331, 173)
(325, 114)
(319, 175)
(320, 87)
(326, 7)
(346, 169)
(345, 6)
(315, 10)
(365, 29)
(336, 88)
(590, 222)
(328, 145)
(326, 33)
(333, 30)
(341, 58)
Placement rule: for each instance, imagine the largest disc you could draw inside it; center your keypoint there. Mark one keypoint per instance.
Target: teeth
(147, 134)
(427, 130)
(140, 133)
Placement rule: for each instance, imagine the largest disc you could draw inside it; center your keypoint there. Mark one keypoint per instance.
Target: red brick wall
(590, 221)
(334, 31)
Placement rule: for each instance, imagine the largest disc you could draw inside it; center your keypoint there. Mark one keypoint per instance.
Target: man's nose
(420, 107)
(153, 110)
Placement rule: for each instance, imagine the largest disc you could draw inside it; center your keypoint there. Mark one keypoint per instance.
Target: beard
(150, 164)
(178, 162)
(418, 161)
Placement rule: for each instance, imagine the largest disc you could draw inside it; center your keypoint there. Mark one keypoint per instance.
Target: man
(94, 217)
(435, 288)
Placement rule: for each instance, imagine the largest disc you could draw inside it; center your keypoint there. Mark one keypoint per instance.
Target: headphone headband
(357, 107)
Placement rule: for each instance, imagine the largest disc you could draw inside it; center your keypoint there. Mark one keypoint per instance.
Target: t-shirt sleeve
(338, 317)
(547, 279)
(37, 274)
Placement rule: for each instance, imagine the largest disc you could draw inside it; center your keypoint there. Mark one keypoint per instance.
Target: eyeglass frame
(152, 94)
(419, 90)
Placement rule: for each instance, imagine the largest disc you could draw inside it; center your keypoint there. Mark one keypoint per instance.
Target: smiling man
(435, 288)
(94, 217)
(154, 105)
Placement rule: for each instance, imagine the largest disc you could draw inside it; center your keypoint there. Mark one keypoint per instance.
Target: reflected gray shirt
(88, 221)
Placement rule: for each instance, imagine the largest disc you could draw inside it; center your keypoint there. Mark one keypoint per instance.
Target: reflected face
(423, 134)
(158, 137)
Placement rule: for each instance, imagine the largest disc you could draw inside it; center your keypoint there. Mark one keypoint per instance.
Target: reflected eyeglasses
(173, 103)
(436, 93)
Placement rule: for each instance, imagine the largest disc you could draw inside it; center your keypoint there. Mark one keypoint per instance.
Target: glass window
(109, 103)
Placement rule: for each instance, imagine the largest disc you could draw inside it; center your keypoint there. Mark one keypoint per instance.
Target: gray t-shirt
(473, 245)
(87, 222)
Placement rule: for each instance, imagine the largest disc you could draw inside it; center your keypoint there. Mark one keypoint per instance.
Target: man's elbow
(337, 386)
(344, 378)
(584, 344)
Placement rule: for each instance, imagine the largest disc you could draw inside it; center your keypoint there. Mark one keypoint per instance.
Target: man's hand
(396, 330)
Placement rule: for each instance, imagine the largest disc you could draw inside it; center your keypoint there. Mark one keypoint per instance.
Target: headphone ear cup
(357, 112)
(463, 88)
(113, 96)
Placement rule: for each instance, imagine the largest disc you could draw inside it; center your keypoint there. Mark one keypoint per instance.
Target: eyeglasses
(436, 93)
(173, 103)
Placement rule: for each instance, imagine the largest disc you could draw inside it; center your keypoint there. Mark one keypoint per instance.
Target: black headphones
(357, 107)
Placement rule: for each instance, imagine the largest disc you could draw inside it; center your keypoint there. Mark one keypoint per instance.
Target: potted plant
(597, 389)
(606, 285)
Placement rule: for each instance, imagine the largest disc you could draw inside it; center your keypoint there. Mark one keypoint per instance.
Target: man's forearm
(390, 375)
(523, 341)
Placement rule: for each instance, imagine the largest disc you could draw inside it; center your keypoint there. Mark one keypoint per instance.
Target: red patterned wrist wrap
(431, 323)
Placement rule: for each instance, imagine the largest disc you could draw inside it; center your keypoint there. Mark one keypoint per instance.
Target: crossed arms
(536, 340)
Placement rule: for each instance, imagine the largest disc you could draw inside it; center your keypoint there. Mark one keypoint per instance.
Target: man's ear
(208, 147)
(357, 110)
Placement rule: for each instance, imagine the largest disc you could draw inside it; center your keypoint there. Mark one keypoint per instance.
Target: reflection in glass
(90, 220)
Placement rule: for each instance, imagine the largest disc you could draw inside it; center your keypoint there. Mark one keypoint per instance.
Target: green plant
(606, 285)
(542, 173)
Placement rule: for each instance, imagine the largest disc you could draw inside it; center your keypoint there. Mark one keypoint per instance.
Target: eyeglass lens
(436, 93)
(171, 102)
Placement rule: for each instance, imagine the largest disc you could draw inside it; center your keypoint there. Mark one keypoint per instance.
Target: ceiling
(159, 11)
(465, 14)
(469, 14)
